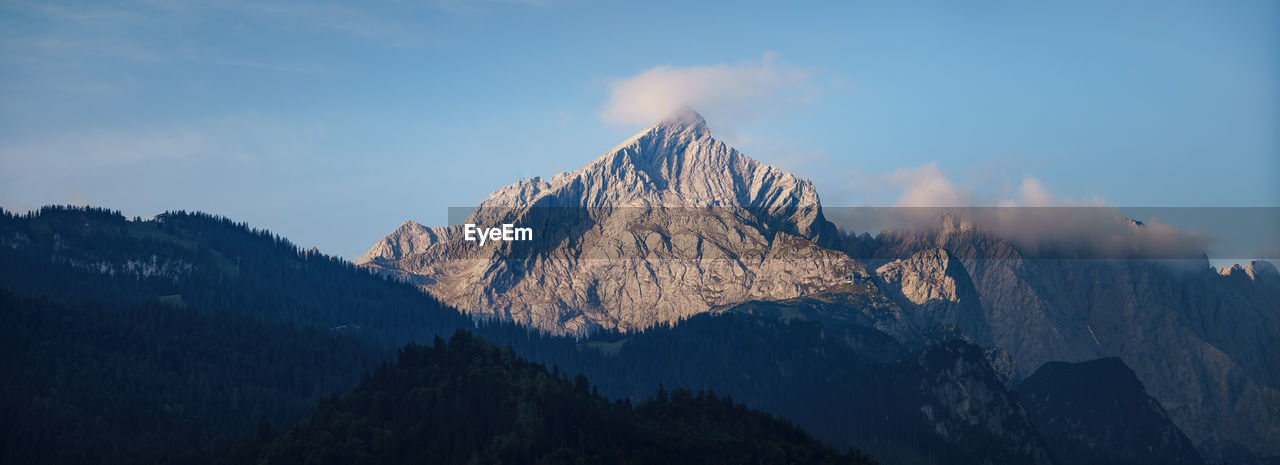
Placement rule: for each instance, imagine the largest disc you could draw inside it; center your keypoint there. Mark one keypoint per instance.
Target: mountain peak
(683, 119)
(668, 258)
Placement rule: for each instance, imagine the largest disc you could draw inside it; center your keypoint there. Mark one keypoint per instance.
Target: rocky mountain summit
(668, 224)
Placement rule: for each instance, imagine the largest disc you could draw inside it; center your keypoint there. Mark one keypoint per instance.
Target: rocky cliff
(938, 295)
(1202, 342)
(669, 224)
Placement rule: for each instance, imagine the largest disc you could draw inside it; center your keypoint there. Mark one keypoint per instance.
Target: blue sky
(331, 123)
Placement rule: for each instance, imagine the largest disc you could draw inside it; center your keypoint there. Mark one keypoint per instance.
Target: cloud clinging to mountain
(741, 91)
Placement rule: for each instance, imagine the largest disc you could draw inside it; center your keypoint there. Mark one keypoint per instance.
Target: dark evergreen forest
(468, 401)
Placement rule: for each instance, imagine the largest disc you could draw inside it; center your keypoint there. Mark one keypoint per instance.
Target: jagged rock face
(962, 397)
(936, 293)
(669, 224)
(924, 299)
(1002, 364)
(923, 278)
(1098, 412)
(1203, 343)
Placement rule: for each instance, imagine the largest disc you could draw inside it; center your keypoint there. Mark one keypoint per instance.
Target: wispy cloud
(123, 30)
(241, 139)
(97, 47)
(480, 6)
(724, 92)
(81, 15)
(351, 20)
(96, 149)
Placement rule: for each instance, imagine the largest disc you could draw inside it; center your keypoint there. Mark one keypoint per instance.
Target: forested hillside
(128, 383)
(467, 401)
(211, 264)
(127, 341)
(1098, 412)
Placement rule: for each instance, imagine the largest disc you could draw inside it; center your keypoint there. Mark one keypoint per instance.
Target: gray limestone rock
(669, 224)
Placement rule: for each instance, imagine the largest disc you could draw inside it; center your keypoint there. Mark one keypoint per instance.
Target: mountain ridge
(672, 223)
(740, 230)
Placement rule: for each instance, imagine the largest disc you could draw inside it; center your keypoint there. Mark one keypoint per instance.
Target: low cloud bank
(1082, 232)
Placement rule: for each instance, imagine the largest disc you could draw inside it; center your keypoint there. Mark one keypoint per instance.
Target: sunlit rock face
(669, 224)
(937, 294)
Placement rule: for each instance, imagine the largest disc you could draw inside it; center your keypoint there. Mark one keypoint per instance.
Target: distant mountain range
(671, 261)
(190, 338)
(673, 223)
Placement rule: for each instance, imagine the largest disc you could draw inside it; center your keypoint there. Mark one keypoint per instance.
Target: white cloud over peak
(926, 186)
(732, 92)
